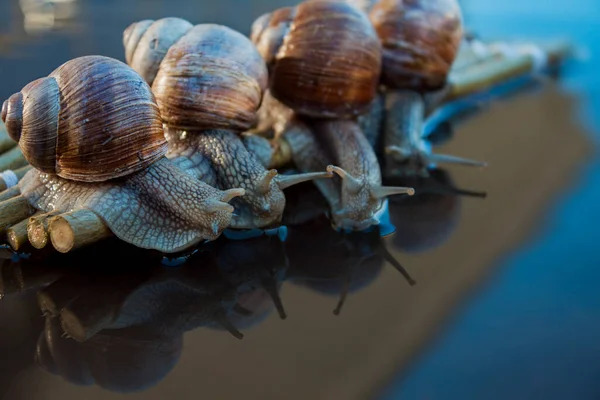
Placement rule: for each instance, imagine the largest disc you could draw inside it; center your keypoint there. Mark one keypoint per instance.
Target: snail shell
(420, 41)
(324, 57)
(57, 122)
(204, 77)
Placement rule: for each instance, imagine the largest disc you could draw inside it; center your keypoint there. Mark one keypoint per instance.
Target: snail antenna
(346, 287)
(381, 192)
(270, 287)
(459, 192)
(351, 184)
(265, 184)
(390, 259)
(231, 193)
(396, 151)
(448, 159)
(212, 206)
(285, 181)
(222, 320)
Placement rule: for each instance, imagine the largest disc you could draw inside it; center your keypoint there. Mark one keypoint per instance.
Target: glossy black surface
(158, 328)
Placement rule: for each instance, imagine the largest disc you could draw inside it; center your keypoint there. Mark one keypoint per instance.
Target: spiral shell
(204, 77)
(420, 41)
(325, 57)
(92, 119)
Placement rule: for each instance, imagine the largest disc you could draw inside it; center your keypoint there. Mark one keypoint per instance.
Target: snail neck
(405, 113)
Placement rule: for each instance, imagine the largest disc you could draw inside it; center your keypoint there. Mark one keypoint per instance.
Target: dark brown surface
(313, 354)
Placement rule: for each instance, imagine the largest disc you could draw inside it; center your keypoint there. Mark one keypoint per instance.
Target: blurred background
(507, 308)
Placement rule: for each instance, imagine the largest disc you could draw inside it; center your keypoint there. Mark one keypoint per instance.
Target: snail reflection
(116, 314)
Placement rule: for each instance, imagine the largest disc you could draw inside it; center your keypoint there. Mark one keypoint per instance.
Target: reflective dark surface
(113, 319)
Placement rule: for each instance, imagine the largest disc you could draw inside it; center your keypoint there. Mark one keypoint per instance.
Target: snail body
(208, 81)
(93, 133)
(325, 60)
(420, 41)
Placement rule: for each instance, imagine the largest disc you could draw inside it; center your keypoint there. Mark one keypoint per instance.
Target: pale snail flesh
(94, 135)
(319, 131)
(209, 80)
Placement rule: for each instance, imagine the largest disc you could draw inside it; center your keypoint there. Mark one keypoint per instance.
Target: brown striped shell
(92, 119)
(324, 57)
(420, 41)
(204, 77)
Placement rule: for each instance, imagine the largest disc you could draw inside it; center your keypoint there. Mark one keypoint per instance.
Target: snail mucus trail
(324, 62)
(208, 81)
(420, 41)
(93, 133)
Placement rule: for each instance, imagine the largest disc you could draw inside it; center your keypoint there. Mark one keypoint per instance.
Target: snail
(93, 134)
(420, 41)
(324, 60)
(256, 264)
(103, 320)
(429, 218)
(105, 359)
(346, 262)
(208, 81)
(110, 323)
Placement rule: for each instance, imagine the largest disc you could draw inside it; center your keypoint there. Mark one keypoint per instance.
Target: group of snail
(183, 142)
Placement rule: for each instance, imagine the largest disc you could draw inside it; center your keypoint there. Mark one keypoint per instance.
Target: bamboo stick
(12, 159)
(485, 75)
(19, 173)
(76, 229)
(81, 321)
(16, 235)
(6, 142)
(53, 298)
(10, 193)
(14, 210)
(37, 229)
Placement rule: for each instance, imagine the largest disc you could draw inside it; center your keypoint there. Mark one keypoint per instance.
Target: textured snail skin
(324, 56)
(403, 128)
(209, 81)
(219, 158)
(340, 143)
(159, 208)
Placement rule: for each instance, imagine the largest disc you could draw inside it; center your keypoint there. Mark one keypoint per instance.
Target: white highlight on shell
(10, 178)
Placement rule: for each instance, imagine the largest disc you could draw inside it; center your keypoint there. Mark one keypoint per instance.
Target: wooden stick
(29, 275)
(16, 235)
(37, 229)
(14, 210)
(468, 56)
(7, 286)
(53, 298)
(12, 159)
(10, 193)
(81, 320)
(19, 173)
(6, 142)
(76, 229)
(494, 71)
